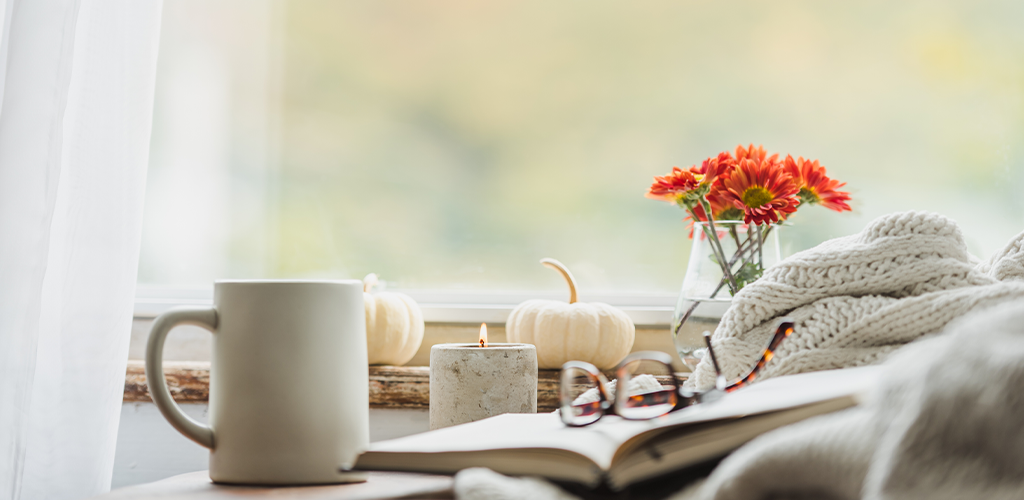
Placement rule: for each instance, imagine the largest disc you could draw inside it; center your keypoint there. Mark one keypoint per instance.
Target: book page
(699, 442)
(596, 442)
(541, 444)
(771, 395)
(780, 393)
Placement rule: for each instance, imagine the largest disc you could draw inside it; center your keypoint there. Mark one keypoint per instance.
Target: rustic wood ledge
(189, 381)
(390, 386)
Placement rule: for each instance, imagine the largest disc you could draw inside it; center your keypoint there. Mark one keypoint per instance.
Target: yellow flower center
(756, 196)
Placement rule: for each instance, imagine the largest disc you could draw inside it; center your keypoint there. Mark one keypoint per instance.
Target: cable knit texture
(858, 298)
(944, 423)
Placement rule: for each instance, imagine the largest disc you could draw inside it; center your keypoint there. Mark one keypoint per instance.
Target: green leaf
(748, 273)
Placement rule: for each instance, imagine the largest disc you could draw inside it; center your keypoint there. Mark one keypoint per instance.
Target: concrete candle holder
(469, 382)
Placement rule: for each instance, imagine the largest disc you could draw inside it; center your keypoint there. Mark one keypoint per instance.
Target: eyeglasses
(646, 385)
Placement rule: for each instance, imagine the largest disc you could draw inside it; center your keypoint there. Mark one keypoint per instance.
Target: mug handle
(205, 317)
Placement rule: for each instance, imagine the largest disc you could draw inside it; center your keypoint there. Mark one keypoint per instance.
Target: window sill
(192, 343)
(442, 306)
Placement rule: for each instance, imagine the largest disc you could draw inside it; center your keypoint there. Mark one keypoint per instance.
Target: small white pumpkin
(594, 332)
(394, 325)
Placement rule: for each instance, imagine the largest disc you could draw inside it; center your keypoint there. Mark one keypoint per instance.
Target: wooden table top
(379, 486)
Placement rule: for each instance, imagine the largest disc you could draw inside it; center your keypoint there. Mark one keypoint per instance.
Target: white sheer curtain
(74, 141)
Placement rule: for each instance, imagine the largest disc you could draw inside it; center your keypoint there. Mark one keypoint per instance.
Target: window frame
(646, 309)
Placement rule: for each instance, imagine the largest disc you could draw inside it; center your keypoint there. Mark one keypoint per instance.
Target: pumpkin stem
(558, 266)
(369, 282)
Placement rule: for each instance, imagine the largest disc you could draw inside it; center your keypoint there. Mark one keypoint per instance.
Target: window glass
(453, 144)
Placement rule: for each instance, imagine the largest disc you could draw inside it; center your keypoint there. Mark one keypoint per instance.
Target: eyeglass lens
(649, 389)
(581, 403)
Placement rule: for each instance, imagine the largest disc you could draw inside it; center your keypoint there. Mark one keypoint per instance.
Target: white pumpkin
(394, 325)
(594, 332)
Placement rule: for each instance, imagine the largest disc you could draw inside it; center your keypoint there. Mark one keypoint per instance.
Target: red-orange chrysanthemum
(672, 186)
(680, 182)
(721, 206)
(714, 168)
(815, 186)
(762, 189)
(750, 153)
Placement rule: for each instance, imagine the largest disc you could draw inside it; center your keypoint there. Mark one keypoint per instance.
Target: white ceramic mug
(289, 390)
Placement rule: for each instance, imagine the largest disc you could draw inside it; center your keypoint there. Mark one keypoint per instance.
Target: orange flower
(675, 185)
(815, 186)
(680, 183)
(750, 153)
(762, 189)
(721, 206)
(714, 168)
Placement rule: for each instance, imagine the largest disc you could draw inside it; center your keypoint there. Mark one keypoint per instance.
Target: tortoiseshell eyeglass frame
(677, 396)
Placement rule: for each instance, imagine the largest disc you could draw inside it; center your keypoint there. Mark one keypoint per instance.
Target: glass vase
(706, 294)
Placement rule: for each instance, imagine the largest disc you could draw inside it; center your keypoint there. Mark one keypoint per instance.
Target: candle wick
(482, 343)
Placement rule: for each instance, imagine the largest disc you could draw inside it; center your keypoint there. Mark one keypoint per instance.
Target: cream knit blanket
(944, 423)
(857, 298)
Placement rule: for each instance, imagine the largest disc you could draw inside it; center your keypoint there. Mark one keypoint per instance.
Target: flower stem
(723, 262)
(719, 255)
(760, 249)
(735, 237)
(692, 308)
(740, 254)
(751, 245)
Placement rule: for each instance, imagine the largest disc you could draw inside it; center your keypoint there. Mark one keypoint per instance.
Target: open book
(616, 451)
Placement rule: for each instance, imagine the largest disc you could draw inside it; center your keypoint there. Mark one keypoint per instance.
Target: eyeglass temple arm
(784, 330)
(719, 378)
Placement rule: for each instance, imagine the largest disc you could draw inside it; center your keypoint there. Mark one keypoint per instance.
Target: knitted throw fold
(942, 423)
(858, 298)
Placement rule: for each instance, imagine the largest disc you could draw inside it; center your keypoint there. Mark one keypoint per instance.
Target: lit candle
(470, 382)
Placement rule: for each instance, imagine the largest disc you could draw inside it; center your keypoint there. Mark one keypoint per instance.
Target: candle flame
(483, 334)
